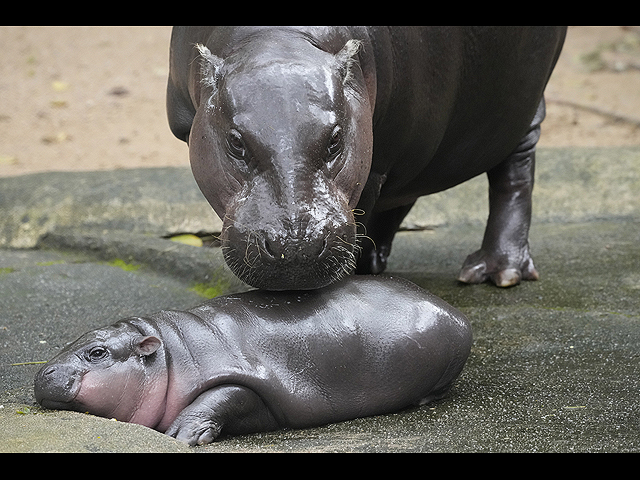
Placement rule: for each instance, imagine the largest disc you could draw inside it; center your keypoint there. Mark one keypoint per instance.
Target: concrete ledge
(26, 430)
(160, 201)
(574, 184)
(161, 255)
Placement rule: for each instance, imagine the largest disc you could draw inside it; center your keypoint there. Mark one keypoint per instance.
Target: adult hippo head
(280, 145)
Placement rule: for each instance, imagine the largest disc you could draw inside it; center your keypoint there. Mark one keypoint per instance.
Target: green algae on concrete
(127, 267)
(211, 289)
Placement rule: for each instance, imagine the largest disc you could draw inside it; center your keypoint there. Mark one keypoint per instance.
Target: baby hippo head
(281, 148)
(105, 372)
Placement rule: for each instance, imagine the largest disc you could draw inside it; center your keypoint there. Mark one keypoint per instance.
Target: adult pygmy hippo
(265, 360)
(293, 130)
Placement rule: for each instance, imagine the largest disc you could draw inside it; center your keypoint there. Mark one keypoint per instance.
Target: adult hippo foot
(373, 262)
(502, 270)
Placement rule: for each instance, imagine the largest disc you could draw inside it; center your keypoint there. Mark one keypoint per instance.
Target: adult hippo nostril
(283, 248)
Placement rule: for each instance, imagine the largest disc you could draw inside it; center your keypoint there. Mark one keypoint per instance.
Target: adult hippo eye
(335, 142)
(96, 354)
(236, 145)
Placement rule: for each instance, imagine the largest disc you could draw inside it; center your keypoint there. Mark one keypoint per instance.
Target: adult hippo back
(294, 130)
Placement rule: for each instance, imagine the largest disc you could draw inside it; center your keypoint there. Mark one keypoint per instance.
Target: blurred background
(93, 98)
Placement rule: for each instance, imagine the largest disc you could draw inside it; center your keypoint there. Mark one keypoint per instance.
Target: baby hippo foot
(502, 270)
(195, 426)
(229, 409)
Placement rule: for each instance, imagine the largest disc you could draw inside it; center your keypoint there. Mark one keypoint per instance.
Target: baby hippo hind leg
(504, 257)
(231, 409)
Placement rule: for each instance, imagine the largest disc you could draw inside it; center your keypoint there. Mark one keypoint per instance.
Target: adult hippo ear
(210, 67)
(145, 345)
(347, 60)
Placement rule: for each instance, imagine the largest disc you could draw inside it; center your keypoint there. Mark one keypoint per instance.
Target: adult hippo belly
(293, 130)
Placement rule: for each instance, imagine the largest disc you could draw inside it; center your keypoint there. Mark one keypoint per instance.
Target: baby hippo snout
(56, 385)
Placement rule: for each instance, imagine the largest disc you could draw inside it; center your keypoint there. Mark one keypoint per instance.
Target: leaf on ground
(187, 239)
(59, 85)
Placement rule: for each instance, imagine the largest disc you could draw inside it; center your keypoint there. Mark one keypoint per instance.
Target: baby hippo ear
(146, 345)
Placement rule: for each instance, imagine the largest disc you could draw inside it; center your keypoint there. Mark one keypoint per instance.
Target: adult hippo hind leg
(504, 257)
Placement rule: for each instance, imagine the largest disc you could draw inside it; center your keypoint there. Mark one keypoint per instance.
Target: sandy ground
(92, 98)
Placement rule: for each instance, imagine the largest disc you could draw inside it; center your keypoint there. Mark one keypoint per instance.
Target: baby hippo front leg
(228, 409)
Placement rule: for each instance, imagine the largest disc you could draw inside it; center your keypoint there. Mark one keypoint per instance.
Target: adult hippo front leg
(504, 257)
(378, 238)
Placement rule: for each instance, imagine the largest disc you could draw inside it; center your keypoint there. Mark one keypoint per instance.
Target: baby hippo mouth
(280, 260)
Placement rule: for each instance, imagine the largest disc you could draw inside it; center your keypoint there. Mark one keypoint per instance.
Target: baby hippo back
(364, 346)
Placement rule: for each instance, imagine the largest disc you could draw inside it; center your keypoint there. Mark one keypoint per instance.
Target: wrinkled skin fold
(313, 143)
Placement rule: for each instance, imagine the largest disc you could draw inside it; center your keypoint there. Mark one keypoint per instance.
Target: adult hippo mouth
(279, 146)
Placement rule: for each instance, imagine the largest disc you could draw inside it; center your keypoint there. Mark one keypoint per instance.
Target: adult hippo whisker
(254, 239)
(359, 242)
(348, 263)
(343, 240)
(258, 242)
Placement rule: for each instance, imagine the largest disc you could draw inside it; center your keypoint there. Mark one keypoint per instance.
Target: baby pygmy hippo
(261, 360)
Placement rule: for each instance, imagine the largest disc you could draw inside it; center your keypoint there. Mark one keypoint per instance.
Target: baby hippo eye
(335, 142)
(96, 353)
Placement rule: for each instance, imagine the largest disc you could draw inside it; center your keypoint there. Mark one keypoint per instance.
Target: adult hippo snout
(306, 249)
(292, 237)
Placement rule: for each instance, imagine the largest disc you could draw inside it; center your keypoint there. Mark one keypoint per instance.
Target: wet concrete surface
(555, 365)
